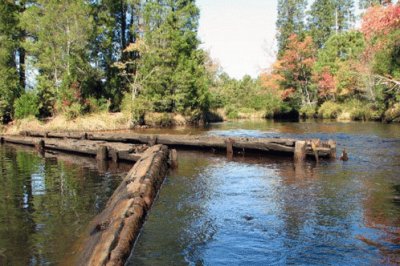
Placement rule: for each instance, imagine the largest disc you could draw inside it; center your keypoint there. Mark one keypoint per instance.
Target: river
(47, 203)
(264, 211)
(216, 211)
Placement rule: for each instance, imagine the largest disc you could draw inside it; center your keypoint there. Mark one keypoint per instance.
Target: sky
(240, 34)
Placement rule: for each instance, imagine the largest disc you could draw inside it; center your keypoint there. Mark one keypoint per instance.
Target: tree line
(328, 67)
(80, 56)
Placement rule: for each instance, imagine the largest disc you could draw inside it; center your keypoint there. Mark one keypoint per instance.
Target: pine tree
(173, 63)
(321, 21)
(367, 3)
(291, 20)
(328, 17)
(60, 33)
(9, 78)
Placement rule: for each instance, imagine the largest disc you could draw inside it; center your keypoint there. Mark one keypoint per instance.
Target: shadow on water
(45, 203)
(263, 211)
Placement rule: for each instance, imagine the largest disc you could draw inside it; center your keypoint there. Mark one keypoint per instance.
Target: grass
(91, 122)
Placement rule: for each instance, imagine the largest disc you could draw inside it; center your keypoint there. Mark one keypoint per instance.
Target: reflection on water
(263, 211)
(45, 203)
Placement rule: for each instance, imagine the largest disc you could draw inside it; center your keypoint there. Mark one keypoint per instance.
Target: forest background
(134, 62)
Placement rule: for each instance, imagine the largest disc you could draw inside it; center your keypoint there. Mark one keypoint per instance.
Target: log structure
(111, 235)
(100, 149)
(314, 148)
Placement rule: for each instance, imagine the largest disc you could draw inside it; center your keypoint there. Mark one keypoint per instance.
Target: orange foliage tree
(295, 69)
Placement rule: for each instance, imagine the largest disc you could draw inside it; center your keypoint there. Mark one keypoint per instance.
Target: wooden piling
(40, 146)
(332, 146)
(300, 151)
(102, 153)
(229, 146)
(173, 157)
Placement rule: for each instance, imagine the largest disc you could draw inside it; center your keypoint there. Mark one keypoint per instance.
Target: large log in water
(112, 233)
(115, 151)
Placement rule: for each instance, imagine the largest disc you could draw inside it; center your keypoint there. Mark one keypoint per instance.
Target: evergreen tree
(367, 3)
(60, 33)
(291, 20)
(321, 21)
(9, 79)
(327, 17)
(172, 64)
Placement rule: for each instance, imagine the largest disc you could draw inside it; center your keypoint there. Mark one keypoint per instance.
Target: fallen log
(111, 235)
(121, 151)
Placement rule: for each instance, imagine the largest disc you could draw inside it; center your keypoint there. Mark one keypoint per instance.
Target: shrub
(26, 105)
(359, 110)
(136, 109)
(73, 111)
(329, 110)
(232, 112)
(308, 111)
(94, 105)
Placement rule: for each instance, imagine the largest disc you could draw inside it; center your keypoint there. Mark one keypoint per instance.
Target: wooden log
(229, 146)
(332, 146)
(102, 153)
(173, 157)
(300, 151)
(127, 152)
(111, 235)
(40, 145)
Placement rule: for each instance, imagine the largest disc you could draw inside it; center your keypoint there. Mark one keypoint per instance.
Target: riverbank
(121, 121)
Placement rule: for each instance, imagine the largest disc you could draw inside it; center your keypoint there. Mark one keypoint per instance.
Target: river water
(266, 211)
(216, 211)
(46, 203)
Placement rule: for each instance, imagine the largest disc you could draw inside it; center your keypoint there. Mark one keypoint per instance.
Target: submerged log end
(332, 146)
(102, 153)
(40, 145)
(300, 151)
(173, 158)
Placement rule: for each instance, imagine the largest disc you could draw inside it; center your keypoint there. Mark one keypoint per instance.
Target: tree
(291, 16)
(295, 67)
(327, 17)
(10, 86)
(179, 82)
(368, 3)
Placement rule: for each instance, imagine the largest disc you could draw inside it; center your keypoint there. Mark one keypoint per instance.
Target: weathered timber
(126, 152)
(300, 151)
(111, 235)
(260, 145)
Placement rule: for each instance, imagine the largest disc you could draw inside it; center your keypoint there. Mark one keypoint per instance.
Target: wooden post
(40, 145)
(300, 151)
(102, 153)
(152, 141)
(229, 146)
(332, 146)
(173, 157)
(114, 155)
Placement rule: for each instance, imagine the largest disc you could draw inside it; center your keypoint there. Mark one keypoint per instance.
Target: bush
(232, 113)
(308, 111)
(359, 110)
(26, 105)
(329, 110)
(73, 111)
(94, 105)
(136, 109)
